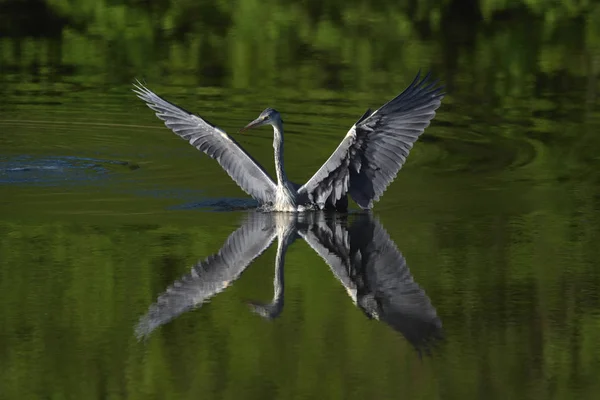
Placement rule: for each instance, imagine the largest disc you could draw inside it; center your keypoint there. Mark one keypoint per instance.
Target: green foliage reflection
(308, 44)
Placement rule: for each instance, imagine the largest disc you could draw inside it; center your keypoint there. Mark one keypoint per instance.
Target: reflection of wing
(330, 240)
(391, 291)
(376, 276)
(211, 276)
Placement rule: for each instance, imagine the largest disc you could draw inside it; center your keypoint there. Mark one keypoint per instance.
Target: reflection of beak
(253, 124)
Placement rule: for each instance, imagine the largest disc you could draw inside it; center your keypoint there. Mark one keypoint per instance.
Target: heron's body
(363, 165)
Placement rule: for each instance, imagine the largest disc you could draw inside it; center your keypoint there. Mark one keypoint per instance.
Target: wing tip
(142, 91)
(423, 89)
(427, 84)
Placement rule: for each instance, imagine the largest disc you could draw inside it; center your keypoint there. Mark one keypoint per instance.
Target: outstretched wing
(376, 147)
(215, 143)
(211, 276)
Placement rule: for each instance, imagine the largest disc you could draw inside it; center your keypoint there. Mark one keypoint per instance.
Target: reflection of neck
(278, 147)
(286, 236)
(278, 284)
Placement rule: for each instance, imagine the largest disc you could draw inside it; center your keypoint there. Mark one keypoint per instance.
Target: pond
(132, 266)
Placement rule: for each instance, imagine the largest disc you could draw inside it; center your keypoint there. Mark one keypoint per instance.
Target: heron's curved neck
(278, 147)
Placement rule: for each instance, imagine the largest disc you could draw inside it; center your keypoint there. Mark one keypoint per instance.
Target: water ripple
(52, 171)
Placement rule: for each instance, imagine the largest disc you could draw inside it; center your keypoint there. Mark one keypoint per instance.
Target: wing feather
(376, 147)
(215, 143)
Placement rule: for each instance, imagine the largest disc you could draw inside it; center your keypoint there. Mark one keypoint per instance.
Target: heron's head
(267, 117)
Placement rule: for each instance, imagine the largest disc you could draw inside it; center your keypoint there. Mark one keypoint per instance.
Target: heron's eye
(265, 118)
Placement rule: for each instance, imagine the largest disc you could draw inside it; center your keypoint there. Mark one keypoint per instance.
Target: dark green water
(497, 211)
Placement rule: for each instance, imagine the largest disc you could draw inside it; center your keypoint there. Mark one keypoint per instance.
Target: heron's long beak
(257, 122)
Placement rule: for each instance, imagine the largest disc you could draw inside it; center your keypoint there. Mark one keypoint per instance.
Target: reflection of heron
(362, 257)
(363, 165)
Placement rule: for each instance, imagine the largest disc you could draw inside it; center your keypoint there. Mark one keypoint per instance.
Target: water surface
(495, 215)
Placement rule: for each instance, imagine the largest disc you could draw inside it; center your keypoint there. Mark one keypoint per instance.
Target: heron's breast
(285, 199)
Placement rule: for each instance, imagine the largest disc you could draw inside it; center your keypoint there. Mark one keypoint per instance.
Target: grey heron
(361, 256)
(362, 166)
